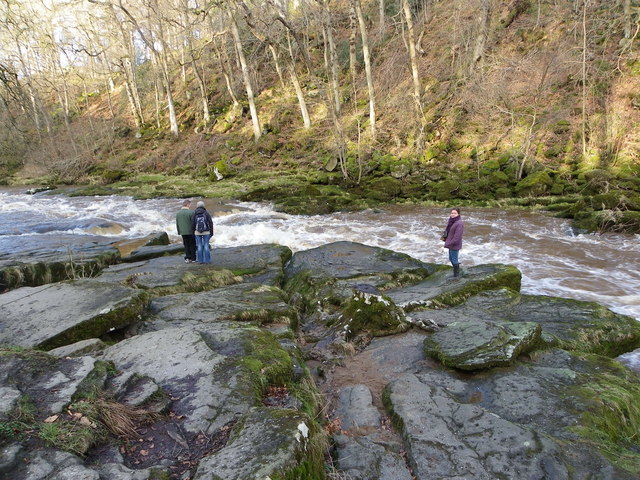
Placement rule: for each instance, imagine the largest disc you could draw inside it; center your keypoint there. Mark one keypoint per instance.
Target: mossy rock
(616, 199)
(558, 187)
(595, 181)
(554, 151)
(622, 221)
(490, 166)
(383, 189)
(474, 345)
(222, 166)
(535, 184)
(372, 313)
(503, 192)
(445, 190)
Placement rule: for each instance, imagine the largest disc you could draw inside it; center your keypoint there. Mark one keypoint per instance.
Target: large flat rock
(270, 444)
(474, 345)
(204, 370)
(59, 314)
(53, 262)
(264, 262)
(573, 324)
(241, 302)
(448, 436)
(441, 289)
(350, 259)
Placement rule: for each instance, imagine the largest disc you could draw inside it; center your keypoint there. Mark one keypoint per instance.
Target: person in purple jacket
(452, 237)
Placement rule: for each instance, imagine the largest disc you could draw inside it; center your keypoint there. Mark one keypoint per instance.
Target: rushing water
(553, 261)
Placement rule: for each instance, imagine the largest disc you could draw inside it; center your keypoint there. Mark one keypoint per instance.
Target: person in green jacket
(184, 221)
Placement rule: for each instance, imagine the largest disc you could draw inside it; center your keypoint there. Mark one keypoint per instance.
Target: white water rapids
(553, 261)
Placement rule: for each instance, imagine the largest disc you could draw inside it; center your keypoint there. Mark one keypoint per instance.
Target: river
(553, 260)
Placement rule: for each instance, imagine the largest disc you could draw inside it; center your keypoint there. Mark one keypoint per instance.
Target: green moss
(612, 420)
(534, 184)
(624, 221)
(505, 276)
(93, 384)
(268, 363)
(611, 336)
(70, 436)
(383, 189)
(375, 314)
(444, 190)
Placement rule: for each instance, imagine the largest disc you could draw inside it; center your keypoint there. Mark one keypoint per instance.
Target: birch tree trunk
(223, 61)
(296, 85)
(353, 61)
(627, 18)
(276, 62)
(367, 67)
(332, 57)
(483, 35)
(255, 120)
(415, 76)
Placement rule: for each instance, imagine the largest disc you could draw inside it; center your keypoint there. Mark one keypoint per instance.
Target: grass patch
(612, 420)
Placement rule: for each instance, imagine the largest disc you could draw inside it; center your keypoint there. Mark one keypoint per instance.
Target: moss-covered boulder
(328, 274)
(384, 189)
(371, 312)
(441, 289)
(268, 443)
(535, 184)
(444, 190)
(574, 325)
(472, 345)
(622, 221)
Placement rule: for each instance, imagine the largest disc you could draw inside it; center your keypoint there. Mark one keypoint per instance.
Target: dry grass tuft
(120, 419)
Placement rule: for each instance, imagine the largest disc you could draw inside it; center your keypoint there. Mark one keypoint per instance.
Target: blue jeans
(453, 257)
(203, 251)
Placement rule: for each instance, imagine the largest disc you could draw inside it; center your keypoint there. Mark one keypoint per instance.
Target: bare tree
(255, 120)
(367, 66)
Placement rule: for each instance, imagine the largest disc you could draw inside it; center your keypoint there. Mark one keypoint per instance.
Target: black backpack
(201, 222)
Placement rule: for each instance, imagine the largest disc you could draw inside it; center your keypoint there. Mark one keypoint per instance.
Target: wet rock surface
(216, 368)
(58, 314)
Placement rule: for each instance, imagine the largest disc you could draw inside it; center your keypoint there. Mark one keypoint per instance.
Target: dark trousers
(189, 242)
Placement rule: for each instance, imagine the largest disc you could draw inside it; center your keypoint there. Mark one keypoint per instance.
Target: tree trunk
(584, 79)
(296, 85)
(332, 58)
(353, 61)
(367, 67)
(276, 62)
(220, 53)
(413, 59)
(483, 35)
(255, 120)
(628, 16)
(129, 87)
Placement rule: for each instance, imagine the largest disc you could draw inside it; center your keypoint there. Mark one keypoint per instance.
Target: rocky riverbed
(342, 361)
